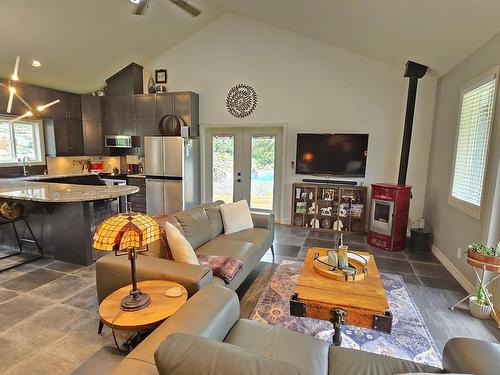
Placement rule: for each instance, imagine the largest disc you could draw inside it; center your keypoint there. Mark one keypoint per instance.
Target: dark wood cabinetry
(144, 107)
(183, 104)
(76, 126)
(91, 108)
(92, 116)
(138, 200)
(127, 81)
(327, 207)
(138, 115)
(64, 136)
(93, 141)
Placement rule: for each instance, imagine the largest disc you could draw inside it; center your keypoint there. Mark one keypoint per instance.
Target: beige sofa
(202, 227)
(207, 337)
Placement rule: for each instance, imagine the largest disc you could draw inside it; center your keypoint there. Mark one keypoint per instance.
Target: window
(19, 139)
(471, 151)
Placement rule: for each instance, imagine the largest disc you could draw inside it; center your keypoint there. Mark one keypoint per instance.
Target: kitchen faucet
(25, 169)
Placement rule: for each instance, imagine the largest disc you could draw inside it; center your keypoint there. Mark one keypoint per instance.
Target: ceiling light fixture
(135, 1)
(14, 76)
(27, 114)
(36, 64)
(13, 93)
(40, 108)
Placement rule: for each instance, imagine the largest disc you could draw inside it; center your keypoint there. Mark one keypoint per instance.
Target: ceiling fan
(142, 5)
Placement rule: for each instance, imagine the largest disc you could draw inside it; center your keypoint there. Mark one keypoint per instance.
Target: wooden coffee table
(361, 303)
(160, 308)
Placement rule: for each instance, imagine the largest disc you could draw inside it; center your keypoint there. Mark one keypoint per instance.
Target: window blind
(473, 139)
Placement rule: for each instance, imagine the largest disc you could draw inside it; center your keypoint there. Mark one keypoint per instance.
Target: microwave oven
(118, 141)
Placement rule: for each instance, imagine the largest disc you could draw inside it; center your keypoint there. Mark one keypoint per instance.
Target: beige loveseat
(202, 227)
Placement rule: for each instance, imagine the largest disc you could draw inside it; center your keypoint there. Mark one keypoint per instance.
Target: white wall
(308, 85)
(453, 228)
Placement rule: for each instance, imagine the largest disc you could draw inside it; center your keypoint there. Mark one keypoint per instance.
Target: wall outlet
(459, 253)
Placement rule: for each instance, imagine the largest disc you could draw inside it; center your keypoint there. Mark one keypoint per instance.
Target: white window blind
(474, 130)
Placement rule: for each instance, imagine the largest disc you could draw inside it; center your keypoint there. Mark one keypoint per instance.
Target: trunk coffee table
(361, 303)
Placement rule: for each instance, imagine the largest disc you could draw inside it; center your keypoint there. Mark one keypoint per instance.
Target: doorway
(246, 163)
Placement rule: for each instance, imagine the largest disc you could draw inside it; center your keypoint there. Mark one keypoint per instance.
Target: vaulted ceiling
(81, 43)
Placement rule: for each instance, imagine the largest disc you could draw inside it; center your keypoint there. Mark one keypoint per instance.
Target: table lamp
(128, 233)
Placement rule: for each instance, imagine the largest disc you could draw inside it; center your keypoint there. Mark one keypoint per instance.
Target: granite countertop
(60, 193)
(41, 177)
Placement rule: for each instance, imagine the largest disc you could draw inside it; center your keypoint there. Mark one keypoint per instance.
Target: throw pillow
(179, 246)
(236, 216)
(215, 220)
(160, 248)
(195, 225)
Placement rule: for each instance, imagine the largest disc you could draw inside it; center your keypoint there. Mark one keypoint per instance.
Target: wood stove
(390, 205)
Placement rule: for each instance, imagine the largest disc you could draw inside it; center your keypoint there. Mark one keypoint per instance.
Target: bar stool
(20, 240)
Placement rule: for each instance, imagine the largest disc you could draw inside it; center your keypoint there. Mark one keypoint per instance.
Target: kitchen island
(64, 216)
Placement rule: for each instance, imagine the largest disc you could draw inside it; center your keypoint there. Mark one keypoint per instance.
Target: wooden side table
(160, 308)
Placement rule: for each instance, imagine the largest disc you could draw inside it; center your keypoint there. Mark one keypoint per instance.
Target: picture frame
(161, 75)
(328, 194)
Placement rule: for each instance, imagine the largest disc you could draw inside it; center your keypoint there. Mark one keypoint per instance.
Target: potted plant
(485, 258)
(478, 303)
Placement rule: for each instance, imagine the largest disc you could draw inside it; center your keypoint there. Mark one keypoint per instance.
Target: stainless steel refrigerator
(172, 169)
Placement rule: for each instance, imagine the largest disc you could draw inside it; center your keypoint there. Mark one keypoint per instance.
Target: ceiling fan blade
(187, 7)
(141, 7)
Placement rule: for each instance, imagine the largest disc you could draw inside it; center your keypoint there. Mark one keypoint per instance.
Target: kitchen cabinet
(92, 115)
(91, 108)
(113, 115)
(186, 107)
(144, 107)
(68, 137)
(68, 107)
(144, 119)
(164, 105)
(118, 116)
(138, 200)
(93, 139)
(183, 104)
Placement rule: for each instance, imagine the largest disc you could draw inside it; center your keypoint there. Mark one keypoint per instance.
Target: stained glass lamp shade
(128, 233)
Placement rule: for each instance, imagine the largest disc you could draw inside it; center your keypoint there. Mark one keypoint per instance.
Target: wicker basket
(11, 211)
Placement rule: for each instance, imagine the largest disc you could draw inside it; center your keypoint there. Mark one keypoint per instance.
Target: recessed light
(135, 1)
(36, 63)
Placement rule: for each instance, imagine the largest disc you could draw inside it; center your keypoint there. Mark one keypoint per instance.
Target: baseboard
(462, 280)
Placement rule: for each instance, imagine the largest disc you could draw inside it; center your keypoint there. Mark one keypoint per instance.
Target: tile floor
(49, 308)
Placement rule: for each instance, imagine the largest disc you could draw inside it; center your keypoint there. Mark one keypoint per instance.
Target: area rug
(410, 339)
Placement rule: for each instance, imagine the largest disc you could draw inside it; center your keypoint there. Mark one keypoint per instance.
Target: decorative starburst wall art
(13, 95)
(241, 100)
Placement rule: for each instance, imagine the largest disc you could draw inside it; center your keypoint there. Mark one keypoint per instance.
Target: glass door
(245, 163)
(223, 168)
(263, 156)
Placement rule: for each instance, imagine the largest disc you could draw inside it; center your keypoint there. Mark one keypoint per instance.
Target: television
(331, 154)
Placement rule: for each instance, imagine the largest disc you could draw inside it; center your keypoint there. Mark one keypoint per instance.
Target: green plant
(482, 295)
(485, 250)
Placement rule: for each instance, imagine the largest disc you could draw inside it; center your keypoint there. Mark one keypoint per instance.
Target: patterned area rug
(410, 339)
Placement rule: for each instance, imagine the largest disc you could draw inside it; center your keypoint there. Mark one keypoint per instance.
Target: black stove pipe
(414, 72)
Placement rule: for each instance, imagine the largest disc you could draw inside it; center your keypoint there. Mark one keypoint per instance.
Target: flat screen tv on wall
(332, 154)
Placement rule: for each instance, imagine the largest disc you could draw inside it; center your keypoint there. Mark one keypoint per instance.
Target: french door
(245, 164)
